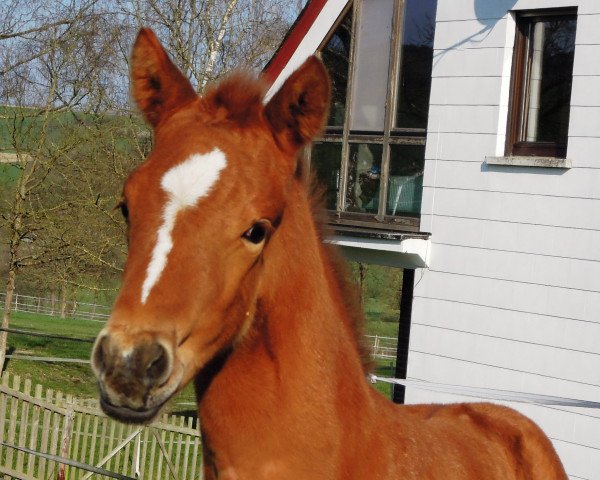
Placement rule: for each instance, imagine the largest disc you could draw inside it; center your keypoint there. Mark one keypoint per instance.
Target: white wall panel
(463, 119)
(585, 121)
(583, 183)
(509, 295)
(518, 267)
(585, 6)
(471, 10)
(466, 91)
(586, 90)
(488, 10)
(588, 32)
(586, 60)
(471, 62)
(514, 325)
(584, 151)
(470, 34)
(511, 207)
(442, 369)
(468, 147)
(515, 237)
(517, 356)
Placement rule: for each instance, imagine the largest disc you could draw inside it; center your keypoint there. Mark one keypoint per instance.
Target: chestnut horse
(228, 283)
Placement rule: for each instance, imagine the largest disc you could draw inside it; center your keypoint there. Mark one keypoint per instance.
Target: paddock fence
(52, 307)
(48, 435)
(382, 347)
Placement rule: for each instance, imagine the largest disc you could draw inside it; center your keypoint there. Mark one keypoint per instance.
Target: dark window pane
(416, 62)
(549, 79)
(405, 188)
(364, 174)
(325, 161)
(336, 56)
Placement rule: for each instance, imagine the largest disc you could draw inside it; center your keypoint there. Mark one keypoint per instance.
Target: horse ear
(158, 87)
(297, 112)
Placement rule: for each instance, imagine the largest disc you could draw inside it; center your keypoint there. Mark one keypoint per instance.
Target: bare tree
(208, 38)
(67, 118)
(49, 73)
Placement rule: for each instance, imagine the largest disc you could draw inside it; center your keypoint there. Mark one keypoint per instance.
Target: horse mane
(340, 277)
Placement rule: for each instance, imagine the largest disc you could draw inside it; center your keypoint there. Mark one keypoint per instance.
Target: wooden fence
(382, 347)
(51, 424)
(48, 306)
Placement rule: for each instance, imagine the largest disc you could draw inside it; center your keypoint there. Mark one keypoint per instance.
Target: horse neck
(300, 356)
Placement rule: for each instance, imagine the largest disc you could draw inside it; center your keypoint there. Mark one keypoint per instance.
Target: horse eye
(256, 233)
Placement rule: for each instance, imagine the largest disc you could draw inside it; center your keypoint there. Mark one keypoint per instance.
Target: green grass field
(78, 379)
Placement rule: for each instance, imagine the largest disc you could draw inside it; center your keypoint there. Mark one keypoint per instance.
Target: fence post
(16, 301)
(64, 452)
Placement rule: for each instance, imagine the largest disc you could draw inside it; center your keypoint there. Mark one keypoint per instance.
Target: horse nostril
(158, 364)
(99, 355)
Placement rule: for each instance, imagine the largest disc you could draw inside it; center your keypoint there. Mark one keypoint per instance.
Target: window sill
(351, 221)
(403, 252)
(521, 161)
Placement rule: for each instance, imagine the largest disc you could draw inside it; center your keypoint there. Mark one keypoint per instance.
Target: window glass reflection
(371, 66)
(364, 174)
(405, 183)
(325, 161)
(416, 63)
(552, 51)
(336, 56)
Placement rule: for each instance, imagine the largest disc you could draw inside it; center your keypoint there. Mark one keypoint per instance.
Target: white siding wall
(512, 296)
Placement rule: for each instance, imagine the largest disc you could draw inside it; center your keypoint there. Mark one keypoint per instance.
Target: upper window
(541, 83)
(371, 158)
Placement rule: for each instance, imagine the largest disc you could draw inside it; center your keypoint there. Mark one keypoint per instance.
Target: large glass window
(371, 157)
(542, 80)
(336, 55)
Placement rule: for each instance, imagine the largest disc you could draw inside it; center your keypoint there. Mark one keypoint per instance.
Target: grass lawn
(71, 378)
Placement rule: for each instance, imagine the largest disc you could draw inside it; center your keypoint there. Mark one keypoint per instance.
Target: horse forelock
(237, 99)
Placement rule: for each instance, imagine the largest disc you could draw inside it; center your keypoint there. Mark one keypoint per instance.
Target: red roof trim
(292, 40)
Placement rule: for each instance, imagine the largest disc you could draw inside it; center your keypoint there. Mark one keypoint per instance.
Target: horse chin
(119, 407)
(129, 415)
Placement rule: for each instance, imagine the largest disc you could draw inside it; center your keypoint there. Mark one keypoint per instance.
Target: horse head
(201, 212)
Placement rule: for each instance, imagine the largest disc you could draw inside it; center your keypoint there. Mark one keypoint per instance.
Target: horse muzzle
(136, 378)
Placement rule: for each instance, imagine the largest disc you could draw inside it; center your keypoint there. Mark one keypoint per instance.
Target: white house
(464, 146)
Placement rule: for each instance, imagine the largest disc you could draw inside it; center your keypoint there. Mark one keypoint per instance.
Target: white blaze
(185, 184)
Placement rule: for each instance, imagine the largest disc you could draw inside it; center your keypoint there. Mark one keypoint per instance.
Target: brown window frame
(392, 135)
(515, 145)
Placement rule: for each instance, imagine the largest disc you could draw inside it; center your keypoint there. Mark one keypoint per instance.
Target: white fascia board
(310, 43)
(407, 253)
